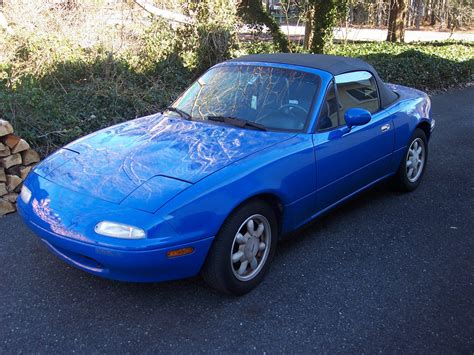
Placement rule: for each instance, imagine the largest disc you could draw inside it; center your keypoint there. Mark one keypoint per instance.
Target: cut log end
(11, 197)
(30, 157)
(11, 160)
(21, 146)
(5, 128)
(13, 182)
(3, 189)
(11, 140)
(24, 171)
(5, 151)
(6, 207)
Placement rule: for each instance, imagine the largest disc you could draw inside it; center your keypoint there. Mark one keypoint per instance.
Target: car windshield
(274, 98)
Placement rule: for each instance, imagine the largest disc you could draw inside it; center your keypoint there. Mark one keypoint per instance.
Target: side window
(357, 90)
(328, 116)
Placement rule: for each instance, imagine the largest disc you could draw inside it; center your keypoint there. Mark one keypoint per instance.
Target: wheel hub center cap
(251, 248)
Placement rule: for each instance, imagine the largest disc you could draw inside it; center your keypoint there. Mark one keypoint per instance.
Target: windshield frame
(321, 76)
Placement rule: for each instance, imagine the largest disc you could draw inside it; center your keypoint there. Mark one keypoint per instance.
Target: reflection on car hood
(113, 162)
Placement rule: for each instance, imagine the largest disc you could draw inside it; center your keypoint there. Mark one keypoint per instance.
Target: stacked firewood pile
(16, 161)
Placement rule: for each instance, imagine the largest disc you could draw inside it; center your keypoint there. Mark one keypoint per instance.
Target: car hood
(153, 152)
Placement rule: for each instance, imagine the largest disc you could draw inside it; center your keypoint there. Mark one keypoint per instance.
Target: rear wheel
(243, 249)
(413, 166)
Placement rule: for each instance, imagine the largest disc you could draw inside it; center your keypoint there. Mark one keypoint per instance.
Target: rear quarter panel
(409, 111)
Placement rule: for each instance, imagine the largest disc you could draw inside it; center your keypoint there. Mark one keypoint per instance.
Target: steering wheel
(296, 106)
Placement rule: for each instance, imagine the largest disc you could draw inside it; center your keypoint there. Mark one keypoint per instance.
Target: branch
(168, 15)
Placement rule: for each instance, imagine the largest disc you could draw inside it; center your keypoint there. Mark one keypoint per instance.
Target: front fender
(286, 171)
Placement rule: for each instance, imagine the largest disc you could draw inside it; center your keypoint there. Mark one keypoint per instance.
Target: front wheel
(243, 249)
(413, 166)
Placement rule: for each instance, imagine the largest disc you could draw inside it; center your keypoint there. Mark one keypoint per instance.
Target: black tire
(401, 181)
(218, 268)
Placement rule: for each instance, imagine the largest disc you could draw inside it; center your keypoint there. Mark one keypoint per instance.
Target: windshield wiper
(182, 113)
(238, 122)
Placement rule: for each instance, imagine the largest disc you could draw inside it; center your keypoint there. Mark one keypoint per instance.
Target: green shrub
(54, 93)
(426, 66)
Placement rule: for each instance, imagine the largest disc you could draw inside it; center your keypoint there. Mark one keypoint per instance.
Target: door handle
(385, 127)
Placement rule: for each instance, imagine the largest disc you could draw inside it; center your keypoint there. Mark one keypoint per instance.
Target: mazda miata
(254, 149)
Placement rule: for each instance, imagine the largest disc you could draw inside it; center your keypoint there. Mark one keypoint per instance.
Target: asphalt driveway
(387, 272)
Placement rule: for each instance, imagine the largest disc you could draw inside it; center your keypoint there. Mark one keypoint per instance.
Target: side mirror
(357, 117)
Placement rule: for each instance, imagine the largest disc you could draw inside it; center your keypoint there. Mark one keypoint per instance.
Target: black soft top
(332, 64)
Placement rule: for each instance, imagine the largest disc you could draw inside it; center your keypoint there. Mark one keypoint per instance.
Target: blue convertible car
(254, 149)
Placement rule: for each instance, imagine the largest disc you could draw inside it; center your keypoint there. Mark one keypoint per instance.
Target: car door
(348, 161)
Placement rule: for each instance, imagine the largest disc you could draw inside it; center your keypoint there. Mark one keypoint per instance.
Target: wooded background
(70, 67)
(319, 16)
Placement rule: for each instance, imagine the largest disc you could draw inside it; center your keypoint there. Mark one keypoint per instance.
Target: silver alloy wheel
(415, 160)
(251, 247)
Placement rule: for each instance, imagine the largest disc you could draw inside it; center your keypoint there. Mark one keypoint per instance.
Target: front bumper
(63, 229)
(136, 266)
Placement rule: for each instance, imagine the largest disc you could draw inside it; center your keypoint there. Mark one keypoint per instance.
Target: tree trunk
(351, 13)
(308, 28)
(434, 11)
(252, 11)
(396, 21)
(323, 18)
(409, 15)
(444, 14)
(419, 13)
(378, 22)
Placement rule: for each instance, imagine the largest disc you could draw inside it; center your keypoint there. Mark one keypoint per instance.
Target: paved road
(374, 34)
(387, 272)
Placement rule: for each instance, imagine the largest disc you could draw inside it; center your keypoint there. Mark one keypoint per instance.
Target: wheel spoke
(418, 151)
(240, 238)
(243, 267)
(237, 256)
(261, 246)
(409, 163)
(260, 230)
(410, 172)
(415, 146)
(254, 263)
(251, 227)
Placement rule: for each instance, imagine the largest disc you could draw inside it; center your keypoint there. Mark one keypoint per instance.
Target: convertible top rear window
(277, 98)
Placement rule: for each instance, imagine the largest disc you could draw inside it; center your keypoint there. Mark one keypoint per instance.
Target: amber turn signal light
(179, 252)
